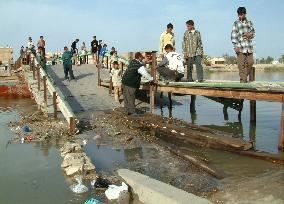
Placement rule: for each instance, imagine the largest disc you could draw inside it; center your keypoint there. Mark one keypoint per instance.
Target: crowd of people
(171, 66)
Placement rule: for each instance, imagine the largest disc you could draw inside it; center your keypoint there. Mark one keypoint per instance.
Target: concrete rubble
(75, 161)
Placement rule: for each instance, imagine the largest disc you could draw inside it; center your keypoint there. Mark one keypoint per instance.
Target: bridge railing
(58, 99)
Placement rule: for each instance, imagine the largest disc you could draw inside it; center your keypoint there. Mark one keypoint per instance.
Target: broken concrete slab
(70, 147)
(151, 191)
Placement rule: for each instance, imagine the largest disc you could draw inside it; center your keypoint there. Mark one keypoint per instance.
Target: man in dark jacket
(131, 82)
(74, 50)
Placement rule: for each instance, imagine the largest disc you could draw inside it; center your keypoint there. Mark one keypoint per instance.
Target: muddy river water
(31, 173)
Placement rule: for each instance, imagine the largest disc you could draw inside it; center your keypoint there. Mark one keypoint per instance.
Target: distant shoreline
(258, 68)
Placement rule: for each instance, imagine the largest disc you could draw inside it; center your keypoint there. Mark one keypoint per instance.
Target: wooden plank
(44, 89)
(34, 67)
(38, 77)
(54, 105)
(72, 126)
(259, 85)
(153, 87)
(238, 94)
(110, 83)
(99, 74)
(281, 134)
(252, 103)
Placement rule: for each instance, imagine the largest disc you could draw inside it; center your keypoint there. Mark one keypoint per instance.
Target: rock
(70, 147)
(88, 166)
(77, 162)
(73, 169)
(72, 159)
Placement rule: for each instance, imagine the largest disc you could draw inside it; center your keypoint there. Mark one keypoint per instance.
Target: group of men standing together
(242, 35)
(171, 67)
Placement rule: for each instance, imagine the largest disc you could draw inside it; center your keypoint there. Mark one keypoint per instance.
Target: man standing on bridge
(94, 49)
(193, 51)
(167, 37)
(131, 82)
(67, 63)
(242, 35)
(74, 50)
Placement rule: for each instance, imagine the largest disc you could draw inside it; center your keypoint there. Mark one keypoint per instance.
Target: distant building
(217, 62)
(275, 62)
(6, 56)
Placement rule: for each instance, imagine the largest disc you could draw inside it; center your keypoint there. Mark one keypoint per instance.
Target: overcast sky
(132, 25)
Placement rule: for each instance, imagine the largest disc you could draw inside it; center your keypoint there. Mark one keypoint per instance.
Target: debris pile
(75, 161)
(38, 127)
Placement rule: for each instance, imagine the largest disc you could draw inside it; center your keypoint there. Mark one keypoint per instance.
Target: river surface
(210, 113)
(29, 173)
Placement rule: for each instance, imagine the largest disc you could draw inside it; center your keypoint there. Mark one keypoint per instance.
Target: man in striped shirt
(242, 35)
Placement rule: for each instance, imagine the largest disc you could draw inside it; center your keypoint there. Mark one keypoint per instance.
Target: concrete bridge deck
(83, 94)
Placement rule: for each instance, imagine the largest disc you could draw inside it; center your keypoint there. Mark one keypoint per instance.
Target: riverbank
(114, 141)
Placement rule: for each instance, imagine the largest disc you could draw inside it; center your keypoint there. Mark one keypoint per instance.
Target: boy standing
(242, 35)
(67, 63)
(116, 80)
(193, 51)
(167, 37)
(94, 48)
(74, 50)
(102, 54)
(41, 45)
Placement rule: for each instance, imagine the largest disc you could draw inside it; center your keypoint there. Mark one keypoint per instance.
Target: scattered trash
(28, 138)
(173, 131)
(93, 201)
(118, 194)
(60, 123)
(26, 129)
(165, 127)
(102, 183)
(22, 140)
(84, 142)
(182, 134)
(79, 187)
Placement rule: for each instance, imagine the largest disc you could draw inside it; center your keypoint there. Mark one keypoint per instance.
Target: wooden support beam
(152, 87)
(122, 65)
(170, 99)
(252, 103)
(99, 74)
(281, 135)
(54, 96)
(38, 77)
(236, 93)
(107, 61)
(34, 67)
(110, 83)
(72, 126)
(44, 90)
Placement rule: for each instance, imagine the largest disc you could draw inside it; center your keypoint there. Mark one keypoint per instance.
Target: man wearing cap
(242, 35)
(167, 37)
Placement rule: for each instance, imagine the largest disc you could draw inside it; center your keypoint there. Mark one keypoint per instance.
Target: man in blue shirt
(102, 54)
(67, 63)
